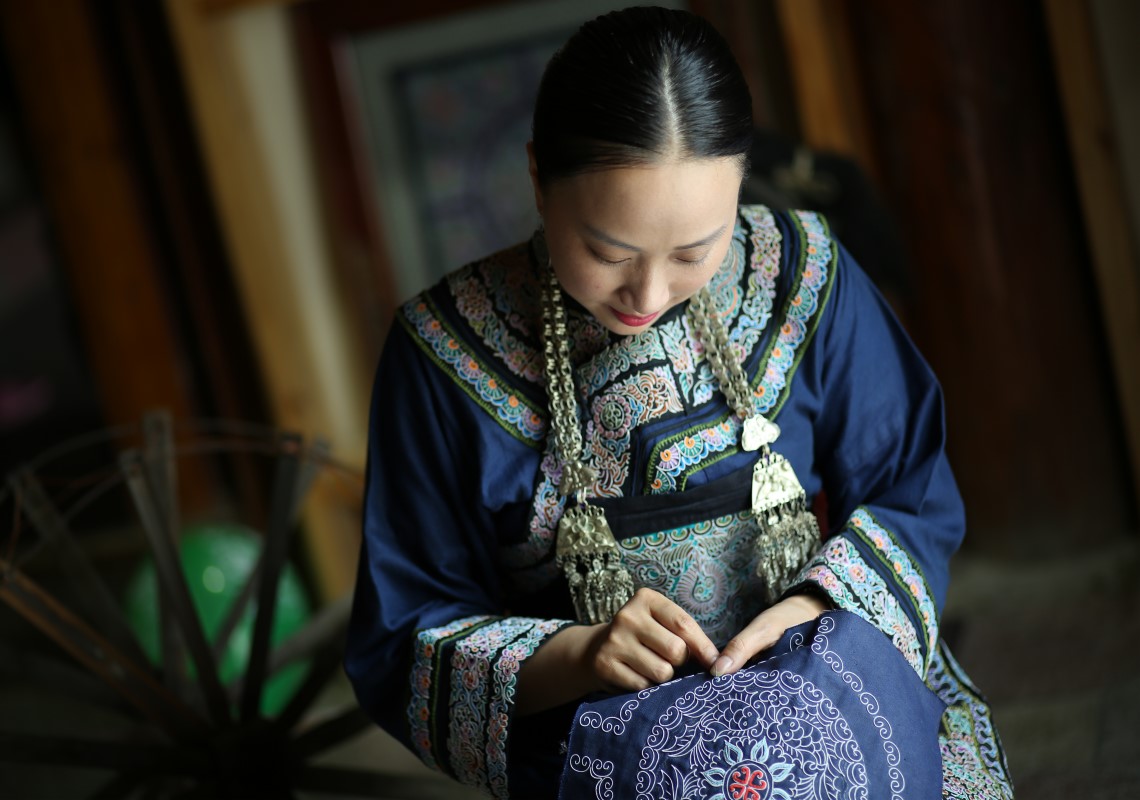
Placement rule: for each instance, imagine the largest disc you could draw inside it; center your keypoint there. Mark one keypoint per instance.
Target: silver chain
(725, 366)
(576, 475)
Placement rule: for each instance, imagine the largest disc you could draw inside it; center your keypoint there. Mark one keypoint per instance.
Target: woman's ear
(532, 167)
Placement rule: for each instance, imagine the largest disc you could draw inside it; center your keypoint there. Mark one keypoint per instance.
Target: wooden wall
(968, 135)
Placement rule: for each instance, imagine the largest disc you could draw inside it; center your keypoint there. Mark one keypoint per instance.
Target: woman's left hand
(766, 630)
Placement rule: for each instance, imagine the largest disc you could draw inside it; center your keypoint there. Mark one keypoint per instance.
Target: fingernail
(721, 666)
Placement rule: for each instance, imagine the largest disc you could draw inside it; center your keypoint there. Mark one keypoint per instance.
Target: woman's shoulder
(481, 325)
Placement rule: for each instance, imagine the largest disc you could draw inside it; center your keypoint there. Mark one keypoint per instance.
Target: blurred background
(214, 207)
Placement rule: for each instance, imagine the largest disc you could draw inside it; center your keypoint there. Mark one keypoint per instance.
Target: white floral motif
(802, 725)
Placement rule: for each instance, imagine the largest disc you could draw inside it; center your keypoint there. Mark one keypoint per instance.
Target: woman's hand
(766, 630)
(645, 642)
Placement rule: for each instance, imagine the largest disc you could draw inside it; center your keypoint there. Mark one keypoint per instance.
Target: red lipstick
(634, 322)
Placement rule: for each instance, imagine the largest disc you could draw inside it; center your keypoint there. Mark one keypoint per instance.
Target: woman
(575, 486)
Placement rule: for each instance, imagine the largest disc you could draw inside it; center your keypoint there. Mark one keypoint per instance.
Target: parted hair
(637, 86)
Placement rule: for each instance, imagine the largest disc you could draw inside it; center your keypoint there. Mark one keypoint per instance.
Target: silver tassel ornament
(588, 555)
(789, 531)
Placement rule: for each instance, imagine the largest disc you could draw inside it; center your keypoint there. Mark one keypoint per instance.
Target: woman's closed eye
(602, 259)
(693, 261)
(692, 258)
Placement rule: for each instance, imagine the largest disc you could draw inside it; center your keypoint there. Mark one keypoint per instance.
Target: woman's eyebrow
(602, 237)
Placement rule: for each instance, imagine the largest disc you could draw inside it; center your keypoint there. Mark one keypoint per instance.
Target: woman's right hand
(645, 642)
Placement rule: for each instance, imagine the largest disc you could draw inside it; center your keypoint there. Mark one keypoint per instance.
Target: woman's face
(630, 243)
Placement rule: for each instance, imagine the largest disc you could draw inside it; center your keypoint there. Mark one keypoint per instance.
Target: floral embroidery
(517, 415)
(973, 761)
(673, 458)
(748, 778)
(800, 318)
(485, 665)
(841, 571)
(426, 650)
(901, 567)
(709, 569)
(473, 299)
(502, 697)
(686, 355)
(756, 312)
(621, 358)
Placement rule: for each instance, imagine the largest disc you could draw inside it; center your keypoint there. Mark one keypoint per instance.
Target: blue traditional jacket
(458, 585)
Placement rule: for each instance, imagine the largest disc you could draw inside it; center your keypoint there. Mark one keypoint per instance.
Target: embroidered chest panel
(708, 568)
(651, 412)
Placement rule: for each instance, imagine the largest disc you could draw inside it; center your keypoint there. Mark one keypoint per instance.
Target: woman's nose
(646, 291)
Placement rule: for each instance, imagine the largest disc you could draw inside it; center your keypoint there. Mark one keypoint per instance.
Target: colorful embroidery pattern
(901, 567)
(473, 299)
(800, 315)
(428, 646)
(517, 415)
(841, 571)
(973, 761)
(628, 404)
(485, 655)
(709, 569)
(675, 458)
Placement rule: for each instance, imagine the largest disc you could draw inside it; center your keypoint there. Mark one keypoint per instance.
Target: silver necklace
(586, 550)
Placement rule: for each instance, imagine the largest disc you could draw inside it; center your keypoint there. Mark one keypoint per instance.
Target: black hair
(636, 85)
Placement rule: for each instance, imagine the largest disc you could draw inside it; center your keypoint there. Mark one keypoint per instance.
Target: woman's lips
(632, 321)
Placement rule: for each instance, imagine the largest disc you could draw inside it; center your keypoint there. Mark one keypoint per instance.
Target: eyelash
(686, 262)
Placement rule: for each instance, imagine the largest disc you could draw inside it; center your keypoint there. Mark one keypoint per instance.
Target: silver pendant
(788, 530)
(587, 553)
(758, 432)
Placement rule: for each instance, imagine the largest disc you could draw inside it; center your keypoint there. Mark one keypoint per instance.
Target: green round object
(217, 560)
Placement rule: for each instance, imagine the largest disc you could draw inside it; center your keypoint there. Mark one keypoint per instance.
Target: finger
(620, 677)
(677, 621)
(758, 635)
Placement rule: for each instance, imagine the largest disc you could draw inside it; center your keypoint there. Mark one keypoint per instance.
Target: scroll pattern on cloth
(973, 760)
(865, 570)
(463, 688)
(820, 646)
(708, 568)
(768, 703)
(832, 711)
(514, 412)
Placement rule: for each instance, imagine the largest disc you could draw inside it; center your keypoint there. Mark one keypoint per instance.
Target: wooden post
(259, 164)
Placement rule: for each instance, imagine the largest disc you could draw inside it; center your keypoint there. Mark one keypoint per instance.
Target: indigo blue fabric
(832, 711)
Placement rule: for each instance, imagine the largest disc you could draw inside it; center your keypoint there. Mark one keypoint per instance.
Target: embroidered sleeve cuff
(863, 569)
(463, 689)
